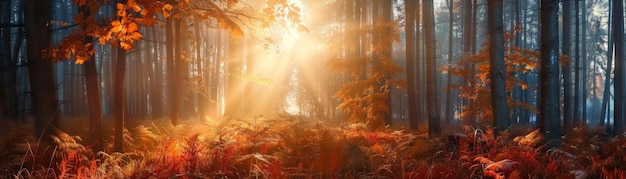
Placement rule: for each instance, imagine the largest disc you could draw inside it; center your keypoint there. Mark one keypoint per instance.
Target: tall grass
(292, 147)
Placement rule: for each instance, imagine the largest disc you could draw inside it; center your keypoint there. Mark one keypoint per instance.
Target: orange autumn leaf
(116, 26)
(166, 10)
(135, 7)
(136, 35)
(132, 27)
(126, 45)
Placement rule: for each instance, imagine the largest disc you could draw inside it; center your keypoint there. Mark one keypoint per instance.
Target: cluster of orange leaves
(365, 100)
(124, 29)
(121, 31)
(476, 86)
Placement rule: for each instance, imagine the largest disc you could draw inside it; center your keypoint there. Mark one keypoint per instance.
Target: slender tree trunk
(202, 92)
(409, 30)
(5, 55)
(214, 70)
(149, 69)
(182, 68)
(95, 105)
(606, 94)
(449, 105)
(42, 86)
(583, 61)
(119, 99)
(431, 68)
(93, 95)
(620, 74)
(497, 72)
(419, 73)
(387, 17)
(156, 93)
(467, 46)
(568, 99)
(577, 61)
(550, 116)
(12, 69)
(171, 72)
(474, 27)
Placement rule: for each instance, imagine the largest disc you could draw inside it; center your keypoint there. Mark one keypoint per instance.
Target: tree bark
(497, 70)
(171, 72)
(606, 94)
(468, 44)
(419, 72)
(550, 116)
(182, 69)
(93, 95)
(577, 92)
(568, 96)
(42, 85)
(618, 38)
(449, 107)
(119, 99)
(156, 81)
(5, 53)
(409, 30)
(201, 69)
(583, 61)
(387, 6)
(431, 68)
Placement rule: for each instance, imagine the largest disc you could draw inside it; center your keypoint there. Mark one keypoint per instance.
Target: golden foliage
(365, 100)
(476, 86)
(121, 31)
(125, 28)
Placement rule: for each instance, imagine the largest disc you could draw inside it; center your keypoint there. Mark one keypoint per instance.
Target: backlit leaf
(136, 7)
(136, 36)
(166, 10)
(126, 45)
(132, 27)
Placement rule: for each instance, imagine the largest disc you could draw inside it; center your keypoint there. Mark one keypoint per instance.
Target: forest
(312, 89)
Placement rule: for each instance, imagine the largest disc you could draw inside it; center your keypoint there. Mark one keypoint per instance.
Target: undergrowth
(292, 147)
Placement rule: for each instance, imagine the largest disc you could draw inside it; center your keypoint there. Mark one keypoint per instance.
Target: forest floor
(295, 147)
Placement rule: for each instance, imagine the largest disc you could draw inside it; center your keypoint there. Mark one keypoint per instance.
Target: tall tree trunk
(95, 105)
(419, 72)
(577, 92)
(182, 68)
(183, 60)
(119, 99)
(387, 6)
(156, 93)
(431, 68)
(93, 95)
(620, 74)
(497, 70)
(550, 116)
(12, 65)
(42, 86)
(5, 55)
(583, 61)
(606, 94)
(171, 72)
(202, 92)
(214, 70)
(568, 96)
(467, 46)
(409, 30)
(449, 106)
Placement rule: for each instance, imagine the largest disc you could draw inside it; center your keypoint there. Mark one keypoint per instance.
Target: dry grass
(290, 147)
